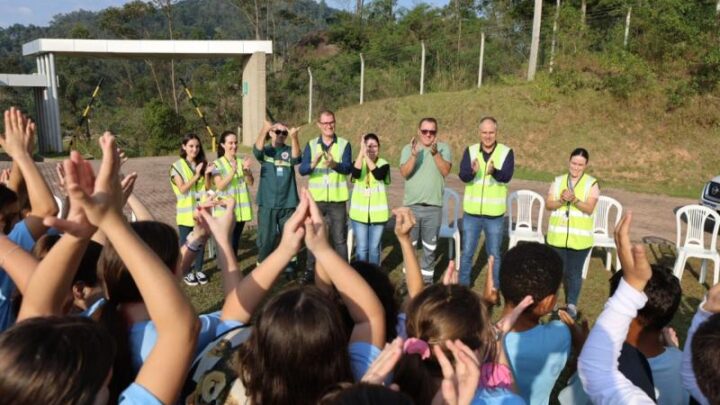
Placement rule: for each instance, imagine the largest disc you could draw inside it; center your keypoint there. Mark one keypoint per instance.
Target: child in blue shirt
(537, 352)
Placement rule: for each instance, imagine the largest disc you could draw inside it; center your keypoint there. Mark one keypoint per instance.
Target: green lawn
(592, 299)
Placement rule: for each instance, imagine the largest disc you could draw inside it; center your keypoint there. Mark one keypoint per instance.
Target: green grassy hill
(634, 144)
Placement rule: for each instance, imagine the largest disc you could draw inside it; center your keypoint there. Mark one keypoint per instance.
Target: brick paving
(653, 217)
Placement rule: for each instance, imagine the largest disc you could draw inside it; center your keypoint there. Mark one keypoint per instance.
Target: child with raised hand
(537, 351)
(700, 367)
(598, 362)
(299, 347)
(61, 360)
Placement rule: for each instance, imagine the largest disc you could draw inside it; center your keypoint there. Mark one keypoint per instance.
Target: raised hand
(363, 147)
(316, 161)
(505, 324)
(60, 171)
(19, 133)
(106, 197)
(461, 381)
(635, 265)
(200, 169)
(247, 163)
(451, 275)
(127, 184)
(315, 233)
(384, 364)
(77, 175)
(669, 337)
(293, 132)
(404, 222)
(4, 176)
(294, 229)
(221, 227)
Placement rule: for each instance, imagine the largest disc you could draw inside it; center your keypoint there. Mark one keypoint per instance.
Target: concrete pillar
(254, 97)
(48, 106)
(55, 139)
(41, 100)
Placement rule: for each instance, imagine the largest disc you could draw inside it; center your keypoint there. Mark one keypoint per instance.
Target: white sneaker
(572, 311)
(190, 279)
(428, 275)
(201, 277)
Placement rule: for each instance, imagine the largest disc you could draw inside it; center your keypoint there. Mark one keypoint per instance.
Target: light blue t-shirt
(143, 336)
(362, 354)
(666, 376)
(20, 234)
(496, 396)
(137, 394)
(537, 357)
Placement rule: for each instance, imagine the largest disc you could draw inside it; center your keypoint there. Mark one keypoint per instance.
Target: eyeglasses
(281, 133)
(327, 124)
(428, 131)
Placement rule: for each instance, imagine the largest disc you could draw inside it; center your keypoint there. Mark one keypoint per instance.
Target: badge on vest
(279, 172)
(326, 180)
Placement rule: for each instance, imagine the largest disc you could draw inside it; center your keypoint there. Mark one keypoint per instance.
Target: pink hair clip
(417, 346)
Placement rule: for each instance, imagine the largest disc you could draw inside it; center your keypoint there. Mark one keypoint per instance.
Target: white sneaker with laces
(201, 277)
(190, 279)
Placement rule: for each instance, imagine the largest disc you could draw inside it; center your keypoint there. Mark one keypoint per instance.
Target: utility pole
(583, 12)
(554, 36)
(362, 77)
(422, 68)
(310, 87)
(627, 27)
(482, 56)
(535, 44)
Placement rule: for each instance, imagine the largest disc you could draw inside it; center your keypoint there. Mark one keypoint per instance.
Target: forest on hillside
(672, 51)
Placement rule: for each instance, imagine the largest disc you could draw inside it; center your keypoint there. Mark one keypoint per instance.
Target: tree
(167, 8)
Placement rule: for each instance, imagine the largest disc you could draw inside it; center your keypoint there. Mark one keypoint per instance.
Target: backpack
(213, 377)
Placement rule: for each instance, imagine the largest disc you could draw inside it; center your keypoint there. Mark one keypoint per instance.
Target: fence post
(627, 27)
(362, 77)
(310, 96)
(482, 56)
(422, 69)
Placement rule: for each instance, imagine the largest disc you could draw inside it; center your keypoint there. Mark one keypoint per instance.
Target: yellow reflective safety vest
(237, 189)
(186, 203)
(325, 184)
(369, 203)
(485, 195)
(568, 226)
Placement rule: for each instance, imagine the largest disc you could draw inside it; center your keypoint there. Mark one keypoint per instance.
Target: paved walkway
(653, 217)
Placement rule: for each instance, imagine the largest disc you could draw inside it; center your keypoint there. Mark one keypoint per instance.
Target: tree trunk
(155, 78)
(257, 21)
(583, 12)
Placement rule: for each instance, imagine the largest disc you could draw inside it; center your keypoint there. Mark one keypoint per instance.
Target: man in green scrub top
(277, 194)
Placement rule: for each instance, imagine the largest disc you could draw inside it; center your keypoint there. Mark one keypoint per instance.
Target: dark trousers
(573, 262)
(335, 214)
(237, 232)
(270, 224)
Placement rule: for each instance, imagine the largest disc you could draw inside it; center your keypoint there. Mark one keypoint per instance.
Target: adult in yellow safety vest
(231, 177)
(486, 168)
(327, 160)
(189, 179)
(369, 209)
(572, 198)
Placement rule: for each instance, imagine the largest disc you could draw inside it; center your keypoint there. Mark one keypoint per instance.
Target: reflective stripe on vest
(279, 162)
(326, 184)
(571, 228)
(485, 195)
(237, 189)
(369, 202)
(185, 203)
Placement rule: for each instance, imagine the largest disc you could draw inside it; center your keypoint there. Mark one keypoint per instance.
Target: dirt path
(653, 217)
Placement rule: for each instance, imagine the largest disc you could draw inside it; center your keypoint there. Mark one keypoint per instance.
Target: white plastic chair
(694, 245)
(602, 237)
(449, 229)
(525, 228)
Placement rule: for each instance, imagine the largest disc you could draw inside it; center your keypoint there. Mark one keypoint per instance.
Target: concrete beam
(33, 80)
(254, 97)
(145, 49)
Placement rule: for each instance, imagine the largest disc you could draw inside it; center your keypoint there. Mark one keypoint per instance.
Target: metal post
(422, 68)
(362, 77)
(482, 56)
(627, 27)
(535, 43)
(554, 36)
(310, 96)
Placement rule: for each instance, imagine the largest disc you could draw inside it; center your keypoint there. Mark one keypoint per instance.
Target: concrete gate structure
(46, 84)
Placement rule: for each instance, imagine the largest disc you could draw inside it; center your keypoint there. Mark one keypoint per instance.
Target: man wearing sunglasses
(327, 159)
(277, 194)
(486, 168)
(424, 163)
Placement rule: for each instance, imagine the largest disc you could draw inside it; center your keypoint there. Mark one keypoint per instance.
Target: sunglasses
(428, 131)
(281, 133)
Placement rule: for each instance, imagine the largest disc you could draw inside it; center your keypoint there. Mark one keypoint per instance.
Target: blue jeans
(472, 226)
(184, 231)
(367, 241)
(573, 262)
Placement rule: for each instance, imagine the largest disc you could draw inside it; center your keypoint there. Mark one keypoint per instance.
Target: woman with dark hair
(572, 198)
(188, 181)
(231, 178)
(369, 209)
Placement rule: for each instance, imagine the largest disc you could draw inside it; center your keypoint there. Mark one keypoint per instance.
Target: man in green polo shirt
(277, 194)
(424, 163)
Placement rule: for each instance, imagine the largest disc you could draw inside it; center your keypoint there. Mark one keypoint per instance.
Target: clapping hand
(78, 178)
(434, 148)
(475, 166)
(635, 265)
(461, 381)
(247, 163)
(414, 148)
(490, 168)
(384, 364)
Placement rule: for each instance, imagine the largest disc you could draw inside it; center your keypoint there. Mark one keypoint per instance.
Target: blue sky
(40, 12)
